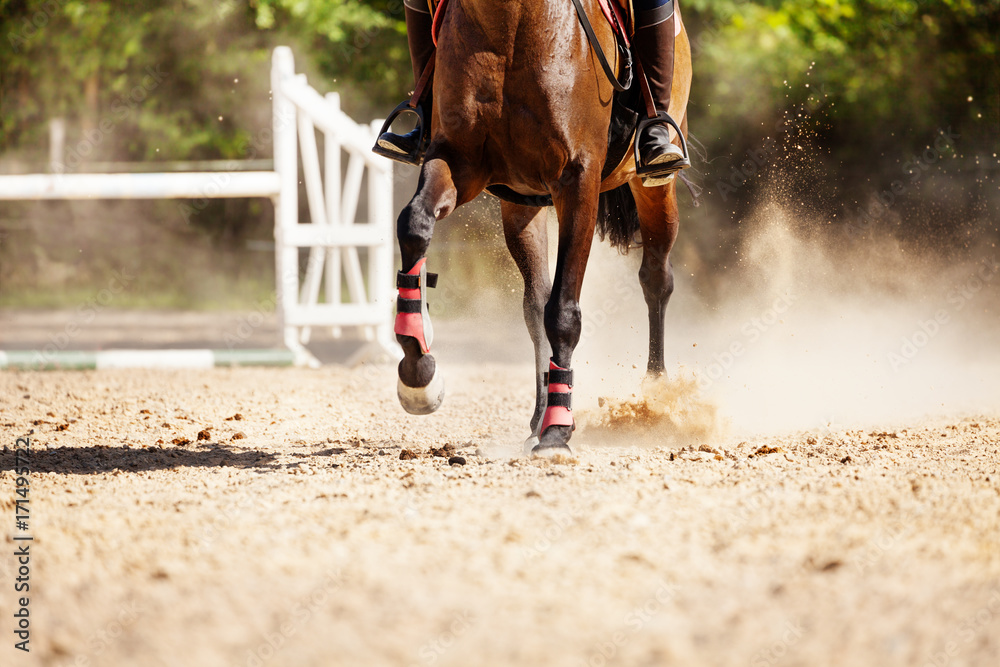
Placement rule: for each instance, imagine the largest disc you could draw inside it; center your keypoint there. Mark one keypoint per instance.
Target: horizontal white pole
(336, 314)
(335, 236)
(157, 167)
(190, 185)
(83, 360)
(155, 359)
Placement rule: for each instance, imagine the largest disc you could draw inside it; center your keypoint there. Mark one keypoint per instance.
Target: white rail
(185, 185)
(334, 234)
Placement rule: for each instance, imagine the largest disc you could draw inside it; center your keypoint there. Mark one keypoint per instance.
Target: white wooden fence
(333, 236)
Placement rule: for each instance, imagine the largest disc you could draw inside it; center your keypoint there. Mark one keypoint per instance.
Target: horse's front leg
(420, 387)
(527, 239)
(575, 199)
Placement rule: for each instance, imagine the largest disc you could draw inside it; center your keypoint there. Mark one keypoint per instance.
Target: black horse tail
(618, 218)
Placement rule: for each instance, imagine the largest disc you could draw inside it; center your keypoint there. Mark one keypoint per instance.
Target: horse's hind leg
(421, 388)
(527, 239)
(658, 222)
(575, 199)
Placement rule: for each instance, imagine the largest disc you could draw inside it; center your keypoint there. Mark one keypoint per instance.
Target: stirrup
(658, 174)
(416, 158)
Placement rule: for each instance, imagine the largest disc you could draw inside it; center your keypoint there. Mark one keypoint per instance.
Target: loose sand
(290, 532)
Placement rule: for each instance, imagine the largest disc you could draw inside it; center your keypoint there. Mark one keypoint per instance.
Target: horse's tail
(618, 218)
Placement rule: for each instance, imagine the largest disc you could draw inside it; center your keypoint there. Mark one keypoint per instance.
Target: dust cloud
(811, 331)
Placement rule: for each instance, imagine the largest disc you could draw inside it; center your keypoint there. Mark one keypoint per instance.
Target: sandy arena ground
(832, 497)
(290, 532)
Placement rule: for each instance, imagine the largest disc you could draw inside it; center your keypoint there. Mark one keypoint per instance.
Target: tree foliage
(882, 68)
(884, 71)
(181, 79)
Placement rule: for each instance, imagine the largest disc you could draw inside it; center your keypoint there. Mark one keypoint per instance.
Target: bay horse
(520, 101)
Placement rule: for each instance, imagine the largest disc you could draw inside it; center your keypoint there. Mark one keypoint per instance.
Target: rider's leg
(654, 45)
(418, 32)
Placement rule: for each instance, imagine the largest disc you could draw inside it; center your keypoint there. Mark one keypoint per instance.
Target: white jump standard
(333, 236)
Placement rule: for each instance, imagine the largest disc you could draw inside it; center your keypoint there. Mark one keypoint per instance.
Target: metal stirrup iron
(413, 106)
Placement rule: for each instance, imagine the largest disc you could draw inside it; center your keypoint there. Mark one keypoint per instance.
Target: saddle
(626, 107)
(619, 14)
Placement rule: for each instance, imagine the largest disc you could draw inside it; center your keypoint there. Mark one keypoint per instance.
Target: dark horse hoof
(422, 400)
(554, 442)
(550, 451)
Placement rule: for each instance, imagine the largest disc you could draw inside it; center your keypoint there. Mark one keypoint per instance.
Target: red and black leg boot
(409, 148)
(657, 159)
(557, 424)
(423, 395)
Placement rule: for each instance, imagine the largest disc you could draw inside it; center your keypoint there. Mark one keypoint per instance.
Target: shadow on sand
(99, 459)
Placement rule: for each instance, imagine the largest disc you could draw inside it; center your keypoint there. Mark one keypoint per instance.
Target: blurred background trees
(819, 105)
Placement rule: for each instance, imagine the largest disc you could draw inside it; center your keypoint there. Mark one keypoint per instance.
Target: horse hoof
(550, 451)
(530, 444)
(422, 400)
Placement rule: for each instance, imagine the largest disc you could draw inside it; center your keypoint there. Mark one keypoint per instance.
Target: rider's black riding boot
(418, 31)
(654, 46)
